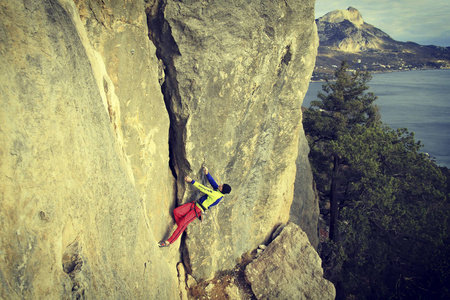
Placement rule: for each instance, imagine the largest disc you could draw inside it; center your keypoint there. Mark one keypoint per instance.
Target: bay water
(416, 100)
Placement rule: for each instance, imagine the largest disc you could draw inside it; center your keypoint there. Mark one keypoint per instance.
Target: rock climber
(187, 213)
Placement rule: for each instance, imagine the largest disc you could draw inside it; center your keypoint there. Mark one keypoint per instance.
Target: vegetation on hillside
(386, 204)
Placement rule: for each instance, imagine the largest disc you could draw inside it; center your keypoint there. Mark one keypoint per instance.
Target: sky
(425, 22)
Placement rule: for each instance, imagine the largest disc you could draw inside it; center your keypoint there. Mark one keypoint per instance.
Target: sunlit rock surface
(84, 154)
(106, 106)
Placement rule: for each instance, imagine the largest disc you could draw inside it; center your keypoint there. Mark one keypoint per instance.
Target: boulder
(289, 268)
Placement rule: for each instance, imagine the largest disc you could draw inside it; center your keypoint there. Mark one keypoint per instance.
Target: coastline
(418, 101)
(387, 72)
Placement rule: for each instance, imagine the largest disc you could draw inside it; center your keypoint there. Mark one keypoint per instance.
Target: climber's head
(225, 188)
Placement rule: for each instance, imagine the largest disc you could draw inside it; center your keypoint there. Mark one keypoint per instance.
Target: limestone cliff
(234, 86)
(106, 105)
(83, 137)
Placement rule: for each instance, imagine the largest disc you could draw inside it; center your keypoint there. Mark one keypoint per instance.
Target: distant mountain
(344, 35)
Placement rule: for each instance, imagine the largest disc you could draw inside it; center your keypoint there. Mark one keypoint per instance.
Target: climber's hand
(205, 169)
(188, 179)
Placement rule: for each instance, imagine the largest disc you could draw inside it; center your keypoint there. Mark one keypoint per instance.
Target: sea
(418, 100)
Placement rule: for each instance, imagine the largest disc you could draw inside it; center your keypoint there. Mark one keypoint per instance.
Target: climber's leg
(181, 211)
(182, 225)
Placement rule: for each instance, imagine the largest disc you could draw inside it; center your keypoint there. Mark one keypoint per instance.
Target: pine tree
(345, 105)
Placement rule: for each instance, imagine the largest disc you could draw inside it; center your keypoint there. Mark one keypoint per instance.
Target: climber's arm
(199, 186)
(211, 180)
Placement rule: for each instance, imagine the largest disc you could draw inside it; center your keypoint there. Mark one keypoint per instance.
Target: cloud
(405, 20)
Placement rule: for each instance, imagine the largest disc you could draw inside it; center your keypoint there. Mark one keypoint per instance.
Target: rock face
(305, 206)
(289, 268)
(237, 79)
(83, 137)
(107, 105)
(237, 73)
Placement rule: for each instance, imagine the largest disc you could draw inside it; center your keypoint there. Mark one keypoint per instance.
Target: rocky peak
(345, 30)
(340, 15)
(344, 35)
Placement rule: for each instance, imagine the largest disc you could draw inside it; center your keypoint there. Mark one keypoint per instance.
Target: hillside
(344, 35)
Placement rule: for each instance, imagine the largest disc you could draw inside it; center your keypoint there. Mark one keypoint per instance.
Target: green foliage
(344, 105)
(395, 216)
(390, 239)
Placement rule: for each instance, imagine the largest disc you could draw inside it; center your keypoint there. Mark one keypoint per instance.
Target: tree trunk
(334, 199)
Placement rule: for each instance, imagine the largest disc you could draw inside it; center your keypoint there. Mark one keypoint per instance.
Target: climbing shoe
(164, 244)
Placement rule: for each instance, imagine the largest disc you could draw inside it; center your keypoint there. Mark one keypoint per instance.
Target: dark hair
(226, 189)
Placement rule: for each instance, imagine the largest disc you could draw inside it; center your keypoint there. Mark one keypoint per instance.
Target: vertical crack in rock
(167, 50)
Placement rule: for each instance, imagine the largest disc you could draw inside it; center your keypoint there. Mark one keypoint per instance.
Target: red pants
(184, 215)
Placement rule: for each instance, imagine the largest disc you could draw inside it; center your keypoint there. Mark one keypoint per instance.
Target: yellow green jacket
(212, 196)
